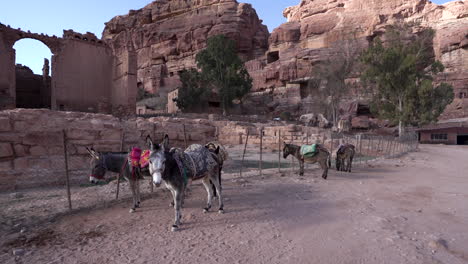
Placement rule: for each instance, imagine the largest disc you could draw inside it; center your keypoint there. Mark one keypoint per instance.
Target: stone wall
(32, 152)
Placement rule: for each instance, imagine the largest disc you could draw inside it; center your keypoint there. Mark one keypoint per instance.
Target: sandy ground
(407, 210)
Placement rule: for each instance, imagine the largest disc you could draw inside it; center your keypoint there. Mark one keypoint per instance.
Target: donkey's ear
(165, 142)
(149, 142)
(92, 152)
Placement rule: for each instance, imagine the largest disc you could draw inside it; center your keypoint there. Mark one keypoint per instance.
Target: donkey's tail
(329, 160)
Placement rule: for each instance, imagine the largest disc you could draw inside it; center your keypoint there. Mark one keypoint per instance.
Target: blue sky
(53, 16)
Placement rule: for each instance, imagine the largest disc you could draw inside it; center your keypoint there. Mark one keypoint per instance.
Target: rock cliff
(316, 27)
(167, 34)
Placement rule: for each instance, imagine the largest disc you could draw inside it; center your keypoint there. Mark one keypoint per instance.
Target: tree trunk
(400, 122)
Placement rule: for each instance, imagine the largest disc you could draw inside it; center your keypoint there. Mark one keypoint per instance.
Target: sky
(53, 16)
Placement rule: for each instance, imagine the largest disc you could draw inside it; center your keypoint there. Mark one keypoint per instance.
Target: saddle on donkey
(195, 161)
(308, 151)
(139, 160)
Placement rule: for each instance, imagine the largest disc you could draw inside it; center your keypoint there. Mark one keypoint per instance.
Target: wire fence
(258, 156)
(255, 152)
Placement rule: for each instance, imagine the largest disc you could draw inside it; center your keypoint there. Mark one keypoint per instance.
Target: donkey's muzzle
(93, 180)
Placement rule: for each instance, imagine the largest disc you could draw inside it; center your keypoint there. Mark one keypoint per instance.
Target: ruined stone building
(87, 75)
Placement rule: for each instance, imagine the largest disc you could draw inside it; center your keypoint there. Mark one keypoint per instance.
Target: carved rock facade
(168, 34)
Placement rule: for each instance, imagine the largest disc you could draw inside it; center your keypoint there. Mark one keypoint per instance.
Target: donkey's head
(287, 150)
(157, 159)
(98, 166)
(215, 150)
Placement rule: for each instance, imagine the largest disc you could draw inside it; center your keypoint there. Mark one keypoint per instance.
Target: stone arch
(32, 90)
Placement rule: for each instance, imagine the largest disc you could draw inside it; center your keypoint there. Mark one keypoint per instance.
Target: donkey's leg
(209, 190)
(177, 204)
(350, 163)
(215, 179)
(301, 167)
(137, 183)
(323, 165)
(132, 188)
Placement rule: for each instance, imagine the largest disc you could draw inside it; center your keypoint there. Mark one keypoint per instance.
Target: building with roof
(450, 132)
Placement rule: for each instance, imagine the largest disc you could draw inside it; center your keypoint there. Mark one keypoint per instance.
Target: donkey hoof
(205, 210)
(132, 210)
(174, 228)
(221, 211)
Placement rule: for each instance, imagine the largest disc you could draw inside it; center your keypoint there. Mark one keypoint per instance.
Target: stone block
(10, 137)
(82, 134)
(39, 163)
(21, 150)
(45, 138)
(38, 151)
(6, 150)
(110, 134)
(6, 165)
(22, 125)
(5, 124)
(21, 164)
(55, 150)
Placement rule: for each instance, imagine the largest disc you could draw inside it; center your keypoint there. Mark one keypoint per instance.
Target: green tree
(224, 70)
(329, 77)
(400, 74)
(193, 92)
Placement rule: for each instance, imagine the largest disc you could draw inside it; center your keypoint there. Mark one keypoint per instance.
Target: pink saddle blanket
(139, 158)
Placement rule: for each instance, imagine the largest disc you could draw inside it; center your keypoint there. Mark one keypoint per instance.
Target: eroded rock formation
(315, 28)
(168, 34)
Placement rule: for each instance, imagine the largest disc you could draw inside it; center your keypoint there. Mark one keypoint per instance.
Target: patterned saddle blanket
(195, 161)
(308, 151)
(139, 158)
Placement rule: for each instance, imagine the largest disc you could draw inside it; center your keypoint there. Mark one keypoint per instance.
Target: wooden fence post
(243, 154)
(279, 151)
(120, 173)
(293, 165)
(185, 136)
(66, 169)
(261, 152)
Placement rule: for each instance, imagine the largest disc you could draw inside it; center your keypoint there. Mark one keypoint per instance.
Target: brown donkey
(322, 157)
(344, 157)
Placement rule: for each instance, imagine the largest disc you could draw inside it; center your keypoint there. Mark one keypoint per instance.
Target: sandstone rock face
(315, 27)
(168, 34)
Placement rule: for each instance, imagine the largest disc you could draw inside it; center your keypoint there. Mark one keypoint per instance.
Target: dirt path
(408, 210)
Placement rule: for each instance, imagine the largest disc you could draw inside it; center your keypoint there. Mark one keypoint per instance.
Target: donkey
(222, 157)
(344, 157)
(115, 162)
(176, 168)
(322, 157)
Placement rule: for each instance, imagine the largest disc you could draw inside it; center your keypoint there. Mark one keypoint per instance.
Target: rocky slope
(315, 28)
(167, 34)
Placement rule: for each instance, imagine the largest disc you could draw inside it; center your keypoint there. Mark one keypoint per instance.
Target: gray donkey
(344, 157)
(115, 162)
(176, 168)
(322, 157)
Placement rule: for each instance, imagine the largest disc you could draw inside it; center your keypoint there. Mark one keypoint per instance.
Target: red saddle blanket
(139, 158)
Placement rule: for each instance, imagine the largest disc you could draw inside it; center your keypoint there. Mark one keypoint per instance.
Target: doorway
(462, 140)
